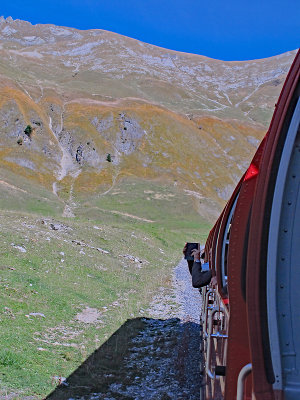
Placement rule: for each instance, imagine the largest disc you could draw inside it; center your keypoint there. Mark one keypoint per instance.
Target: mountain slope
(111, 66)
(158, 114)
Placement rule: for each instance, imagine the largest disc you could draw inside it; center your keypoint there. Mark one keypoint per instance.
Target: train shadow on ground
(144, 359)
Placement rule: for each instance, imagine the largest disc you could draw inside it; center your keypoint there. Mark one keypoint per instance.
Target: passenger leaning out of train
(200, 275)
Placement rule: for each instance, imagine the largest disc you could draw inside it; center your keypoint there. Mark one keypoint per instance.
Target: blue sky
(222, 29)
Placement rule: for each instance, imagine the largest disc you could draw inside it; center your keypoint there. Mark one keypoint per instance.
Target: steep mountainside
(130, 140)
(103, 107)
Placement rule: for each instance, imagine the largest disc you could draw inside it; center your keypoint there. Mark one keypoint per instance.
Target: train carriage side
(273, 258)
(238, 335)
(215, 315)
(209, 300)
(255, 248)
(226, 322)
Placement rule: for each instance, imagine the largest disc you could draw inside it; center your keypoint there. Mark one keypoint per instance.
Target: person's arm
(200, 278)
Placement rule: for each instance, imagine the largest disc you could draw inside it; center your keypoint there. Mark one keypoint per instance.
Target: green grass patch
(109, 258)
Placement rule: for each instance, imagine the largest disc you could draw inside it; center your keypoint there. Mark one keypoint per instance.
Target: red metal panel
(208, 243)
(238, 339)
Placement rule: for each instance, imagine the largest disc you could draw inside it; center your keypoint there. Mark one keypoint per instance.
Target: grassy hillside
(68, 284)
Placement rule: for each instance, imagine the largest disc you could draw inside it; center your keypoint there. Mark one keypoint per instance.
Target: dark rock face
(128, 133)
(11, 121)
(79, 154)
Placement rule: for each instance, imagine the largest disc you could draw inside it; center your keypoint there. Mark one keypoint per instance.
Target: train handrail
(211, 336)
(207, 309)
(204, 290)
(244, 372)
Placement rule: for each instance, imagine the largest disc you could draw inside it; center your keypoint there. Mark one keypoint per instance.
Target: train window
(225, 244)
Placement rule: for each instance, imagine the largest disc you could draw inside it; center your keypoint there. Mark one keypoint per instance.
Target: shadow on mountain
(144, 359)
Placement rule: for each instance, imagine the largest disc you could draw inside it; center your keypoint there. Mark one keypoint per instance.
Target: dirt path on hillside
(155, 357)
(66, 167)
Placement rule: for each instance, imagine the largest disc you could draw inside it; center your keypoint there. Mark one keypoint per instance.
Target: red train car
(251, 317)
